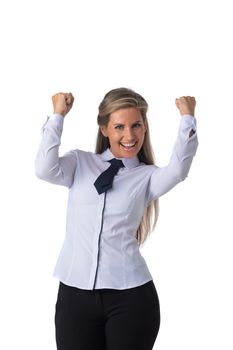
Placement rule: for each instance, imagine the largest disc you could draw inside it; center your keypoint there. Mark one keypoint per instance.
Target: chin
(121, 152)
(128, 153)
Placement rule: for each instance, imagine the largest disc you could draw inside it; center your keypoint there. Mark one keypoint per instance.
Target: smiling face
(126, 132)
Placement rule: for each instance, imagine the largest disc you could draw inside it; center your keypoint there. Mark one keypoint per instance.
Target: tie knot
(117, 162)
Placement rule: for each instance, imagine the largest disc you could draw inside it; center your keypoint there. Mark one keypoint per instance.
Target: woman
(106, 297)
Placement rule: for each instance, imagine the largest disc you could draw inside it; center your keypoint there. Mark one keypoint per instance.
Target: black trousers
(107, 319)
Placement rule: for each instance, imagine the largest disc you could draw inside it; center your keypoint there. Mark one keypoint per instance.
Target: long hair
(125, 98)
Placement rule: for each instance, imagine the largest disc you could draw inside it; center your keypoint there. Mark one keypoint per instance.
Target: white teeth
(128, 144)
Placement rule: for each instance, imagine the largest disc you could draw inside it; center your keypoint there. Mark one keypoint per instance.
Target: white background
(163, 50)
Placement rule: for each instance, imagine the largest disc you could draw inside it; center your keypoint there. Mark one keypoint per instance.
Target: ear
(104, 130)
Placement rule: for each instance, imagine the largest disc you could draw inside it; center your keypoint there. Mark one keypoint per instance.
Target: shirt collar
(128, 162)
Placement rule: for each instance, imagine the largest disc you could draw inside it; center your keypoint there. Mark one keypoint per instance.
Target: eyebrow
(138, 121)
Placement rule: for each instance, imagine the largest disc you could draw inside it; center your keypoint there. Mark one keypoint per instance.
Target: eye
(137, 125)
(118, 126)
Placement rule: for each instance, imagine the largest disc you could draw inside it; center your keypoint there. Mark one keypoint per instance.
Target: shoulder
(81, 154)
(147, 168)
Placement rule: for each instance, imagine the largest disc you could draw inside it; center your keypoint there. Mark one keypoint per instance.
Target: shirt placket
(96, 241)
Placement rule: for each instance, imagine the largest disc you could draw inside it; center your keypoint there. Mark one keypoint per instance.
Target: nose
(129, 135)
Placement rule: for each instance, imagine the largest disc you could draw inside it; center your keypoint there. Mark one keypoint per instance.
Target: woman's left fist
(186, 104)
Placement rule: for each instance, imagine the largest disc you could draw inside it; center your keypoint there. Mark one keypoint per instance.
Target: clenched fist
(186, 105)
(62, 103)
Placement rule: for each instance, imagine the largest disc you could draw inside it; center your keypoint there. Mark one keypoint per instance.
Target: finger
(66, 95)
(71, 96)
(69, 99)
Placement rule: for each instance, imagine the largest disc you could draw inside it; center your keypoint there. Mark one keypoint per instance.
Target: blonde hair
(125, 98)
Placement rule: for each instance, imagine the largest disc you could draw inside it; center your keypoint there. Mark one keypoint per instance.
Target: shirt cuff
(55, 116)
(188, 119)
(54, 119)
(188, 126)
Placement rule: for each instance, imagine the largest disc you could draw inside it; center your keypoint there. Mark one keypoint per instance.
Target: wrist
(57, 112)
(187, 114)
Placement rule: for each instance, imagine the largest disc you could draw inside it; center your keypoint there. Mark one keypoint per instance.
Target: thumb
(69, 98)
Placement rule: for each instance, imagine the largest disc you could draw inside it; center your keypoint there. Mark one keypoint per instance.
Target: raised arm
(48, 165)
(165, 178)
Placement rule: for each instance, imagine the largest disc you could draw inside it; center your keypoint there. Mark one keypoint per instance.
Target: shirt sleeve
(165, 178)
(48, 165)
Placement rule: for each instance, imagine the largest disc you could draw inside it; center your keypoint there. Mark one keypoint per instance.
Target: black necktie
(105, 179)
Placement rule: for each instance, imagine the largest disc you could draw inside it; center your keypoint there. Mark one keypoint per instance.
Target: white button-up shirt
(100, 249)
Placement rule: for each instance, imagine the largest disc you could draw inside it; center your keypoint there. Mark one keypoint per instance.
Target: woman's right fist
(62, 103)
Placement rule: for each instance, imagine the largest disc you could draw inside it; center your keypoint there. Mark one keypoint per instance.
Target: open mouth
(128, 146)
